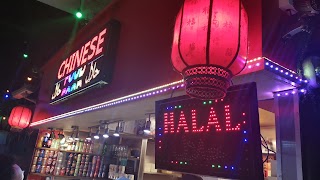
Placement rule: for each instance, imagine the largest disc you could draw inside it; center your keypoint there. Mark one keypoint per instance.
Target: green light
(79, 15)
(204, 102)
(181, 162)
(180, 106)
(210, 102)
(213, 166)
(219, 166)
(25, 55)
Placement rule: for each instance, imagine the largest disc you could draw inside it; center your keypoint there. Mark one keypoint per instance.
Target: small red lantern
(20, 117)
(210, 45)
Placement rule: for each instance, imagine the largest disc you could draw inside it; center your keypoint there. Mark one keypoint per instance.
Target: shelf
(162, 174)
(133, 158)
(156, 173)
(70, 151)
(129, 158)
(47, 149)
(80, 152)
(67, 177)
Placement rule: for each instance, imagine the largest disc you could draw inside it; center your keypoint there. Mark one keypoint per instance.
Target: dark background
(34, 28)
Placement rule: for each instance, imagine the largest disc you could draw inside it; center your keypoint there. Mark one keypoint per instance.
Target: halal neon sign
(212, 123)
(89, 65)
(214, 137)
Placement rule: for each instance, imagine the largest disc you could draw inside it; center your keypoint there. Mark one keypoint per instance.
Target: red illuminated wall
(143, 56)
(254, 10)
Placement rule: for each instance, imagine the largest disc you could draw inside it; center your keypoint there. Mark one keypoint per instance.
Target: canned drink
(46, 153)
(68, 171)
(62, 171)
(80, 172)
(57, 171)
(43, 170)
(76, 171)
(79, 158)
(70, 158)
(94, 159)
(54, 161)
(49, 161)
(73, 164)
(37, 153)
(89, 170)
(33, 168)
(44, 161)
(42, 153)
(38, 169)
(51, 169)
(82, 165)
(51, 153)
(87, 158)
(35, 160)
(71, 172)
(47, 169)
(39, 160)
(55, 154)
(60, 155)
(84, 174)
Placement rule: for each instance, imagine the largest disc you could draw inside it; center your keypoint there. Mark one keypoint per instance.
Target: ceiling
(89, 8)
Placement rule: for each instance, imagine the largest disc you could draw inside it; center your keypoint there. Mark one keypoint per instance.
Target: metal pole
(143, 152)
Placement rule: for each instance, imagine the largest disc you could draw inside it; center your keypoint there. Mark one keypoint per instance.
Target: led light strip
(212, 166)
(135, 96)
(293, 72)
(286, 73)
(252, 61)
(289, 92)
(163, 89)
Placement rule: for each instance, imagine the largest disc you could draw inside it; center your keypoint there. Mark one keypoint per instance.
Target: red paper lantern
(210, 45)
(20, 117)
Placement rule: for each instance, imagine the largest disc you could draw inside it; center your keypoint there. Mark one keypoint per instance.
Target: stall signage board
(89, 65)
(218, 138)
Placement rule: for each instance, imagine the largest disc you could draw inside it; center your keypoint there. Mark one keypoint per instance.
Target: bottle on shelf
(45, 140)
(84, 146)
(40, 142)
(73, 145)
(91, 147)
(56, 143)
(50, 139)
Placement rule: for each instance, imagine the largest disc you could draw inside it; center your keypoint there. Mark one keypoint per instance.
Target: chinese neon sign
(89, 65)
(216, 138)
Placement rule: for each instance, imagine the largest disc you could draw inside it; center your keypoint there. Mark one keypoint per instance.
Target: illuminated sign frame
(89, 65)
(218, 138)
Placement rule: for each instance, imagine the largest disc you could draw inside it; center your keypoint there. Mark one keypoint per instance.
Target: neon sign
(216, 138)
(88, 66)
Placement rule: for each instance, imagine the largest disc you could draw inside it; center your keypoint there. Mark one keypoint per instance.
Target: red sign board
(214, 137)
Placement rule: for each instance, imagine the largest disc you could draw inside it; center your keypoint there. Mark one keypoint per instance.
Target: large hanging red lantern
(210, 45)
(20, 117)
